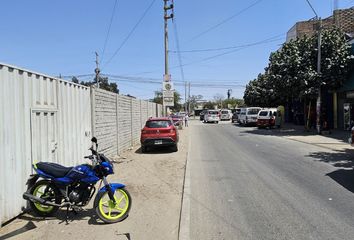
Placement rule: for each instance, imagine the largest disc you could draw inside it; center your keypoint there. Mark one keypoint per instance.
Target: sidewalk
(336, 140)
(155, 182)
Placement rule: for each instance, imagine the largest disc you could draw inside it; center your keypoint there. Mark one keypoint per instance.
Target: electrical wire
(200, 85)
(234, 49)
(109, 30)
(226, 20)
(178, 49)
(218, 55)
(272, 39)
(131, 32)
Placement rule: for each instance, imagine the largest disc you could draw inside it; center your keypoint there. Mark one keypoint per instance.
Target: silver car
(212, 116)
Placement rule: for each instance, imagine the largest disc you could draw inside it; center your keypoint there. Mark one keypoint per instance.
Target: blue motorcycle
(55, 186)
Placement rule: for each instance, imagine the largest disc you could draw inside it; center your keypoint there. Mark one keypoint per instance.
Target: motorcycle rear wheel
(109, 212)
(46, 190)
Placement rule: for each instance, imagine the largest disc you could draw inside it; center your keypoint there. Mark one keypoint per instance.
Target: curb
(184, 220)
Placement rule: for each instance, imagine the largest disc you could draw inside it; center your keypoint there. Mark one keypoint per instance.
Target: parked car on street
(177, 120)
(225, 115)
(159, 132)
(212, 116)
(235, 115)
(248, 116)
(201, 115)
(266, 118)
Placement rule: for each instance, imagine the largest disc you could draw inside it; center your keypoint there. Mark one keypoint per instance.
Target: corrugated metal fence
(43, 118)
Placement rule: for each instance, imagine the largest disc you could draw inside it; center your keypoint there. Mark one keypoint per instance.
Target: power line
(131, 32)
(269, 40)
(201, 85)
(180, 62)
(178, 48)
(226, 20)
(234, 49)
(109, 29)
(142, 79)
(215, 56)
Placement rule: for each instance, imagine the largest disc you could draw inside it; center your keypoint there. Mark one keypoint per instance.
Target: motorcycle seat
(53, 169)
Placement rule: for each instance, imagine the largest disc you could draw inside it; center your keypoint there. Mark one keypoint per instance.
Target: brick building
(343, 19)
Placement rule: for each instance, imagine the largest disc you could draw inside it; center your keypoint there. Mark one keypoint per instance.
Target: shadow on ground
(340, 159)
(85, 214)
(156, 150)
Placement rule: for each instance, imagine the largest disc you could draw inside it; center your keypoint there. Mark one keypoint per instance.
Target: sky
(222, 44)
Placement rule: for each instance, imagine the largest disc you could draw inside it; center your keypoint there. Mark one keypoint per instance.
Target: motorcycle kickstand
(67, 215)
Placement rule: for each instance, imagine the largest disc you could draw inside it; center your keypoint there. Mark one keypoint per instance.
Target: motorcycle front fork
(109, 190)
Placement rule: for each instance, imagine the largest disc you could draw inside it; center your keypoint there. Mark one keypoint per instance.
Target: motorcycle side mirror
(94, 140)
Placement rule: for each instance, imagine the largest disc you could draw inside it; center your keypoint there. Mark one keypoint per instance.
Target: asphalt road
(248, 185)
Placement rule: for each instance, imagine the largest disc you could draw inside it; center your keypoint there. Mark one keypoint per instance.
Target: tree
(209, 105)
(219, 98)
(233, 102)
(292, 71)
(104, 84)
(193, 101)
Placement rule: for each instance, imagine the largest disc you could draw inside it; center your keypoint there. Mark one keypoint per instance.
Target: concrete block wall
(124, 122)
(105, 125)
(136, 121)
(117, 120)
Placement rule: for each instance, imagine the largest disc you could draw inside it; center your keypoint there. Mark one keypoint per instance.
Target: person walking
(186, 119)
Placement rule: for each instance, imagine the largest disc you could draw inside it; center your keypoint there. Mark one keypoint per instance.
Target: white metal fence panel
(74, 124)
(41, 118)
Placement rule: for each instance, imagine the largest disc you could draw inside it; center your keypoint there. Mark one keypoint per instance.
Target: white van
(266, 117)
(226, 114)
(249, 115)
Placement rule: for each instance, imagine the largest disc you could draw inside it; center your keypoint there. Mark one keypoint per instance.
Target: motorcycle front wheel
(110, 212)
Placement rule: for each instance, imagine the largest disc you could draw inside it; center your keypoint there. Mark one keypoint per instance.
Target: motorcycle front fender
(114, 187)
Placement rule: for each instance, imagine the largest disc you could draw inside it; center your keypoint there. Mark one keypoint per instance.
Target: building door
(44, 136)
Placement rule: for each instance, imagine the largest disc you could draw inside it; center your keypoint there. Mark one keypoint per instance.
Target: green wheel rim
(112, 211)
(39, 192)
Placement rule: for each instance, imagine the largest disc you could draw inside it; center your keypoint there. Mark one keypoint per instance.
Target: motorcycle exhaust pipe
(33, 198)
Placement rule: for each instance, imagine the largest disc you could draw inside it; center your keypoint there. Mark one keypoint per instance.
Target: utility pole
(319, 40)
(97, 71)
(167, 77)
(189, 97)
(185, 96)
(319, 100)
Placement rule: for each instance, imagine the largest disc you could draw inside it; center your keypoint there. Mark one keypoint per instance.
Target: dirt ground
(155, 182)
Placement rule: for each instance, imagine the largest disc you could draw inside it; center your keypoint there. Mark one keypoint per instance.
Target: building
(345, 101)
(343, 19)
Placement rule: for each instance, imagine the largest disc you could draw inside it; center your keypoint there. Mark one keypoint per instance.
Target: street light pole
(166, 77)
(319, 100)
(319, 40)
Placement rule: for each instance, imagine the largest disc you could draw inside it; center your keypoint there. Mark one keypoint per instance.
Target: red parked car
(159, 132)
